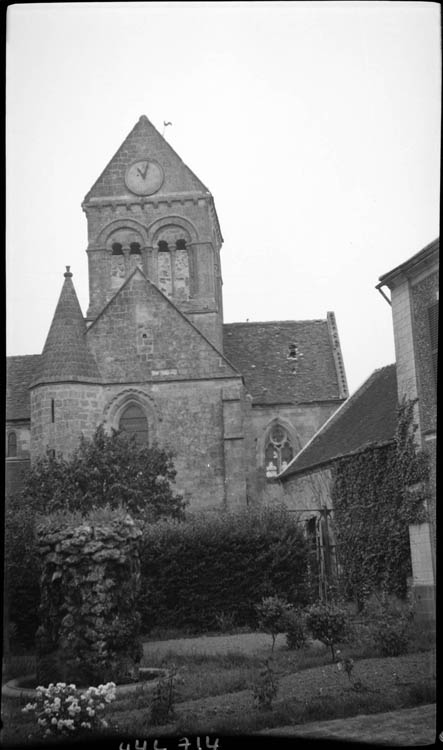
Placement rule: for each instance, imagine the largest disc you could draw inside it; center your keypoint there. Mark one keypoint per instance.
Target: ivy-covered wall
(376, 495)
(89, 625)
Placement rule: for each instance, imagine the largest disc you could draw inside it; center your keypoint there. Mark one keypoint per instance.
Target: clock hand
(143, 174)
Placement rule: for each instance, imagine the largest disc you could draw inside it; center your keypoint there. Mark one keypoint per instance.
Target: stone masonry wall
(77, 409)
(304, 421)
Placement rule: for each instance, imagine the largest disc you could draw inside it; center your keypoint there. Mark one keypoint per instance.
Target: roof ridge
(274, 322)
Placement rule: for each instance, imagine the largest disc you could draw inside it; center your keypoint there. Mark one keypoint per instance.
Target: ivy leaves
(376, 495)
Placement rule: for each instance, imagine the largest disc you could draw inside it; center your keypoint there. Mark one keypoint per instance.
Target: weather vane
(165, 125)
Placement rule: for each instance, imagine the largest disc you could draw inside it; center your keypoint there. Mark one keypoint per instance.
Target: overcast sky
(316, 126)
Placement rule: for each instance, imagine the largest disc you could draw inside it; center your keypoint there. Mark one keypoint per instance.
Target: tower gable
(148, 209)
(141, 336)
(145, 142)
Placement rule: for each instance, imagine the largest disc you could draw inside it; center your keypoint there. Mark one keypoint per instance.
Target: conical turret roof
(66, 356)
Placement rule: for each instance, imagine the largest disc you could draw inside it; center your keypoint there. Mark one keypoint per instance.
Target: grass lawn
(215, 692)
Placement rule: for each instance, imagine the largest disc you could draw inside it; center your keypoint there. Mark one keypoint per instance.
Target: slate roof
(260, 350)
(66, 356)
(366, 418)
(19, 373)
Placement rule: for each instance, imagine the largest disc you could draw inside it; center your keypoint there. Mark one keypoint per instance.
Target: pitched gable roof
(145, 142)
(368, 417)
(65, 356)
(139, 307)
(260, 352)
(19, 373)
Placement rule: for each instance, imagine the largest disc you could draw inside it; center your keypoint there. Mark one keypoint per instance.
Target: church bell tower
(148, 209)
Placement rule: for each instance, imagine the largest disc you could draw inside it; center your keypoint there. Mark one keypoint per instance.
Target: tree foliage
(109, 470)
(376, 495)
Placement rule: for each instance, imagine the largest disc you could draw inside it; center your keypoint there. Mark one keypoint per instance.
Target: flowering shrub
(328, 624)
(294, 627)
(271, 613)
(266, 686)
(61, 709)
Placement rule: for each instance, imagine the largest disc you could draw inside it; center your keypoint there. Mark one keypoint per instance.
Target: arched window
(135, 248)
(117, 248)
(278, 450)
(134, 422)
(164, 268)
(12, 445)
(181, 270)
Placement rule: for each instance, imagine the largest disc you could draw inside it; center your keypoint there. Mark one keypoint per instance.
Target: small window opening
(135, 248)
(144, 335)
(180, 244)
(52, 410)
(163, 246)
(117, 248)
(292, 354)
(12, 445)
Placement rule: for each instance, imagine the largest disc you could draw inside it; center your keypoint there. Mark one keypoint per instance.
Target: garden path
(406, 727)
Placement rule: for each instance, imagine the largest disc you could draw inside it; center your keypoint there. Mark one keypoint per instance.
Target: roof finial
(68, 274)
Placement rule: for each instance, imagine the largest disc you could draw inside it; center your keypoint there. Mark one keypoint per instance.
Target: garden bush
(271, 612)
(193, 571)
(327, 623)
(391, 626)
(295, 629)
(89, 629)
(21, 573)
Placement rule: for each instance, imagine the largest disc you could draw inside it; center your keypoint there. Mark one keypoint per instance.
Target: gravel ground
(409, 726)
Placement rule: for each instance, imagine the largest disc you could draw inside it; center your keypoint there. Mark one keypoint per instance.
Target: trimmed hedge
(194, 572)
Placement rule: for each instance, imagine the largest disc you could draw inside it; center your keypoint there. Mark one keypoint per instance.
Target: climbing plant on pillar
(89, 626)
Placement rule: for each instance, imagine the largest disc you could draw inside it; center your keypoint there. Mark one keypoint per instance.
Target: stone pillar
(234, 447)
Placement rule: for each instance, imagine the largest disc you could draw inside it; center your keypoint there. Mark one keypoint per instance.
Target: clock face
(144, 177)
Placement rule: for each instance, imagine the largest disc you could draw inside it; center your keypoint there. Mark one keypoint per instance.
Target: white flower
(42, 722)
(90, 711)
(53, 720)
(85, 724)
